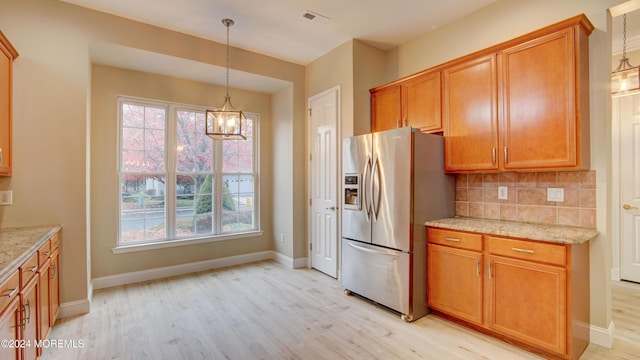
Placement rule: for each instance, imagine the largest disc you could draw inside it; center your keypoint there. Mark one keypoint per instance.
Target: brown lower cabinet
(530, 293)
(30, 302)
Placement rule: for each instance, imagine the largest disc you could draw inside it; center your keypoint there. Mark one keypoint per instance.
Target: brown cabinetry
(30, 302)
(520, 288)
(454, 264)
(523, 106)
(7, 55)
(544, 101)
(471, 115)
(522, 291)
(414, 101)
(10, 316)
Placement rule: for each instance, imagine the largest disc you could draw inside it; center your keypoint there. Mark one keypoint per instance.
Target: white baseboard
(615, 274)
(74, 308)
(602, 336)
(289, 262)
(159, 273)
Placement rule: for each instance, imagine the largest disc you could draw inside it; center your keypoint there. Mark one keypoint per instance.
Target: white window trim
(170, 171)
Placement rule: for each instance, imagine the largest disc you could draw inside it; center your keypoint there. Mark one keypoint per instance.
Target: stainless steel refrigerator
(393, 182)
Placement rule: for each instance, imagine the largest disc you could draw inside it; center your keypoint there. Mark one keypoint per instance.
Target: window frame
(171, 172)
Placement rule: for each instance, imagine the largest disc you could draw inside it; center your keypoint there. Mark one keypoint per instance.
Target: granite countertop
(571, 235)
(17, 244)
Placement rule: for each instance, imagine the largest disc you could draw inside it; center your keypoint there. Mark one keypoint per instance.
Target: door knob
(331, 208)
(629, 207)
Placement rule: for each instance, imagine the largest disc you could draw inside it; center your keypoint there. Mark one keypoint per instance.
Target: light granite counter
(17, 244)
(571, 235)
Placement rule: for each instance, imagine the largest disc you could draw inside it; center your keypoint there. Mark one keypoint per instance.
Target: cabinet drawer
(55, 242)
(44, 252)
(28, 270)
(528, 250)
(9, 290)
(461, 240)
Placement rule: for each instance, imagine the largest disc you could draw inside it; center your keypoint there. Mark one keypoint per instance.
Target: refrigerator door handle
(371, 251)
(375, 196)
(365, 195)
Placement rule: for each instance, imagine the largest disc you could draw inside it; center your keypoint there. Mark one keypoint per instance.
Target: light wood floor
(266, 311)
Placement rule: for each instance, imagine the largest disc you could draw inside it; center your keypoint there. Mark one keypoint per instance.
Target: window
(176, 182)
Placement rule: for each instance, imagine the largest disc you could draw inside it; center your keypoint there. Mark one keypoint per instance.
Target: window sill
(122, 249)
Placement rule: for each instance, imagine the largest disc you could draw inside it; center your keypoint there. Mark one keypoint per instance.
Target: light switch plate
(502, 193)
(555, 194)
(6, 197)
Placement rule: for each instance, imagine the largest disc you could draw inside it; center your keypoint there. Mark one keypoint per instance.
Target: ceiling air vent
(310, 15)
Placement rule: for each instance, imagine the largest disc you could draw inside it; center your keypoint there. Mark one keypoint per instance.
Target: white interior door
(324, 181)
(629, 118)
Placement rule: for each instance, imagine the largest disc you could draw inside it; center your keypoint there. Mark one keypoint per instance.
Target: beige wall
(55, 175)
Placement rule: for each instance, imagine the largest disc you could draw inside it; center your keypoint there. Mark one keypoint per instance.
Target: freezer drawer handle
(371, 251)
(452, 239)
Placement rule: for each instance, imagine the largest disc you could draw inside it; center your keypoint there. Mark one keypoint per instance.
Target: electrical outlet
(6, 197)
(502, 193)
(281, 237)
(555, 194)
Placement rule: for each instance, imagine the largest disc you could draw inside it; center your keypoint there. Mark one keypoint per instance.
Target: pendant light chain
(624, 36)
(228, 23)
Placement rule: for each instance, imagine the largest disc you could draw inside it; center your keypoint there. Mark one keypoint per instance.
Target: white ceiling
(277, 28)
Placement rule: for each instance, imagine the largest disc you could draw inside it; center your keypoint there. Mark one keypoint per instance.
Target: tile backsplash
(477, 196)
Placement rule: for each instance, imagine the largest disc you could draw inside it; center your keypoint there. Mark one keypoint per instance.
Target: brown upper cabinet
(413, 101)
(540, 117)
(7, 55)
(519, 105)
(471, 114)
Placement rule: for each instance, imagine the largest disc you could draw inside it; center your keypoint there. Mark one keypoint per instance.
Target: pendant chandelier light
(226, 123)
(626, 77)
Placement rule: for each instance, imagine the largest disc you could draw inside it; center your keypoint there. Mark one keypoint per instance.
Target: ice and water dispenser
(352, 191)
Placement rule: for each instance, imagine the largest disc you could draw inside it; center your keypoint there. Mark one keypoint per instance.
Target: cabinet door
(528, 302)
(54, 287)
(386, 108)
(43, 300)
(29, 319)
(538, 81)
(447, 266)
(5, 110)
(9, 328)
(422, 102)
(470, 115)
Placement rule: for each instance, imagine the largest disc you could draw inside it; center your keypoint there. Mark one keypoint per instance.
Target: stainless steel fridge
(393, 182)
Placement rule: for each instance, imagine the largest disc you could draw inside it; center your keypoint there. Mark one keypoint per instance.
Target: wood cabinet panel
(470, 115)
(447, 266)
(528, 250)
(386, 108)
(29, 319)
(422, 104)
(54, 287)
(9, 328)
(539, 120)
(456, 239)
(9, 289)
(528, 302)
(7, 55)
(44, 318)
